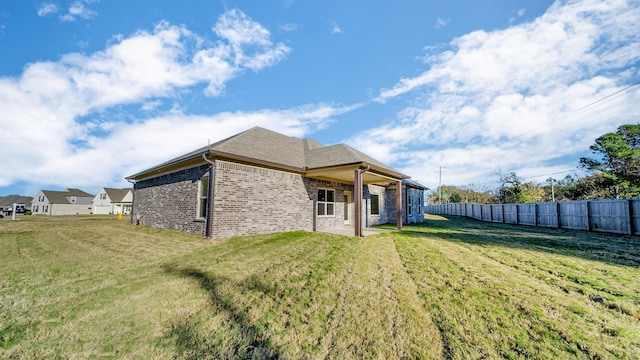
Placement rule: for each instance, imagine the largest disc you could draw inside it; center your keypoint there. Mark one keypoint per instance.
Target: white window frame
(325, 204)
(203, 199)
(409, 206)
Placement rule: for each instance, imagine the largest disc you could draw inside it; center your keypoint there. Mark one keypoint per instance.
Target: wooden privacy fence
(620, 216)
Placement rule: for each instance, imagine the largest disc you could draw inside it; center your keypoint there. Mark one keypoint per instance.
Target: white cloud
(289, 27)
(47, 9)
(151, 105)
(55, 109)
(519, 13)
(79, 9)
(335, 28)
(440, 22)
(511, 98)
(130, 148)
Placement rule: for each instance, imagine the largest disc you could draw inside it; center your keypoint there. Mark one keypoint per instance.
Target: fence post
(588, 215)
(517, 220)
(502, 209)
(535, 214)
(629, 211)
(558, 215)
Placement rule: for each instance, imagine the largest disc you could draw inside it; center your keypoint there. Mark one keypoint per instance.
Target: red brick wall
(170, 201)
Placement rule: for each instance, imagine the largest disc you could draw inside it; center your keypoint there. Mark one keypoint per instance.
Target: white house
(113, 201)
(68, 202)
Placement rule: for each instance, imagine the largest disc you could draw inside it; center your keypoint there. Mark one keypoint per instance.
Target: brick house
(260, 181)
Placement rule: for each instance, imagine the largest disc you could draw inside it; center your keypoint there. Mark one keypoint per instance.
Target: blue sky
(92, 91)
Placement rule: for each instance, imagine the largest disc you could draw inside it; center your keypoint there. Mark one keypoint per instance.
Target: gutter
(133, 198)
(209, 196)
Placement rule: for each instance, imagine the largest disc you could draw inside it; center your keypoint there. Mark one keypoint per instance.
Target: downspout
(366, 213)
(406, 202)
(209, 196)
(133, 199)
(359, 194)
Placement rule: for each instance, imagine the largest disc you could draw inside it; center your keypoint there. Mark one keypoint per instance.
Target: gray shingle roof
(116, 195)
(9, 200)
(266, 146)
(60, 197)
(414, 184)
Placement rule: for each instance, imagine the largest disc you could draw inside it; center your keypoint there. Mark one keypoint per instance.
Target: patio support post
(399, 205)
(357, 201)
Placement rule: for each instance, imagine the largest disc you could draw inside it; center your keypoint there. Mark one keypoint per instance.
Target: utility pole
(440, 185)
(553, 194)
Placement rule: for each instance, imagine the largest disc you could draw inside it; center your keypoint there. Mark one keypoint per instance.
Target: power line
(575, 111)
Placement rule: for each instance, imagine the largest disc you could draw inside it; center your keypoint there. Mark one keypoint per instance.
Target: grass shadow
(608, 248)
(237, 339)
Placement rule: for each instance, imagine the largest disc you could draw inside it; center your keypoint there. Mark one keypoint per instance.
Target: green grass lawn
(452, 288)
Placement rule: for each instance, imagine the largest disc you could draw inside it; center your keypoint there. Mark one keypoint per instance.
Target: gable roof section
(116, 195)
(60, 197)
(265, 147)
(340, 154)
(9, 200)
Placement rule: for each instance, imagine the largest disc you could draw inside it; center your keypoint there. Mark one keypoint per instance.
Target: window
(103, 196)
(409, 205)
(203, 196)
(375, 204)
(41, 198)
(73, 200)
(44, 208)
(36, 208)
(419, 205)
(326, 202)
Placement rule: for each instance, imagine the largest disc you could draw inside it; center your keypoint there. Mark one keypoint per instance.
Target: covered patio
(359, 174)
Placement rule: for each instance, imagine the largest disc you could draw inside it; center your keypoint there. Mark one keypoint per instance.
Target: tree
(455, 197)
(514, 190)
(594, 186)
(531, 193)
(618, 159)
(456, 194)
(510, 188)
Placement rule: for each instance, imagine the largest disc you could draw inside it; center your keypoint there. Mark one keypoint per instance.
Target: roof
(414, 184)
(9, 200)
(60, 197)
(116, 195)
(268, 148)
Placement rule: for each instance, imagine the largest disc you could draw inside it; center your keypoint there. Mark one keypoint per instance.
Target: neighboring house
(113, 201)
(6, 203)
(260, 181)
(68, 202)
